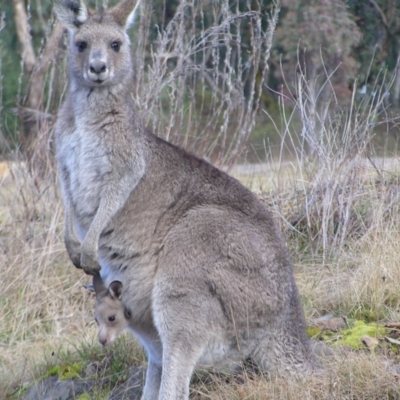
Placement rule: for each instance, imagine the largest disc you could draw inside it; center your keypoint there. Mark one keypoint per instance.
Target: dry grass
(43, 305)
(45, 310)
(357, 376)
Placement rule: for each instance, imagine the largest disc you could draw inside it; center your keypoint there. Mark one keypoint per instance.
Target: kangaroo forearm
(72, 243)
(110, 205)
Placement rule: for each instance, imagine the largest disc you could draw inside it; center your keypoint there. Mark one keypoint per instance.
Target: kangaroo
(206, 274)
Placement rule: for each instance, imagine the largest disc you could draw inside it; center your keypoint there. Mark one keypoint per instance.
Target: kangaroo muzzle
(98, 71)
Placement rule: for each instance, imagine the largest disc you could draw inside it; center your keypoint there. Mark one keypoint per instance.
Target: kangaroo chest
(84, 156)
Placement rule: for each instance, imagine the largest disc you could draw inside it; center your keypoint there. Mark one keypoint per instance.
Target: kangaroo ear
(71, 13)
(115, 290)
(125, 12)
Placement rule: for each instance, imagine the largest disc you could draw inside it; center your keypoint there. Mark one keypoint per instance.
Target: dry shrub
(339, 204)
(201, 83)
(338, 189)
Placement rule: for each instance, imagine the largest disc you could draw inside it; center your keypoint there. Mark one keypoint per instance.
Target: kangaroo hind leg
(184, 335)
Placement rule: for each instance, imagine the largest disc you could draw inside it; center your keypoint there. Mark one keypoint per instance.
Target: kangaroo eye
(81, 46)
(112, 318)
(116, 46)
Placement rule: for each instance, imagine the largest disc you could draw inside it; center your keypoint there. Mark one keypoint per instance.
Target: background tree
(226, 69)
(316, 40)
(34, 103)
(379, 47)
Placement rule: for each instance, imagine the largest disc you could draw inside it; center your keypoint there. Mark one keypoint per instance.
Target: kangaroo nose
(97, 67)
(103, 341)
(98, 71)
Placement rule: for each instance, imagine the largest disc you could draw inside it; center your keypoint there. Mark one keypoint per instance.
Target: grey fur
(205, 271)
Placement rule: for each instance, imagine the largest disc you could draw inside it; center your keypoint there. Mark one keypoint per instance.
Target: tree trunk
(34, 121)
(24, 37)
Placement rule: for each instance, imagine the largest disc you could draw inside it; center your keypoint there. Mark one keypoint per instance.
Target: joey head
(110, 314)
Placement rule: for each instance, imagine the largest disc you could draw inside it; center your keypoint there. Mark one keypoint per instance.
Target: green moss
(83, 396)
(352, 336)
(66, 371)
(313, 331)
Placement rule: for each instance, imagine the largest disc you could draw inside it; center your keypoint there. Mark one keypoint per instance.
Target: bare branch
(2, 21)
(381, 14)
(24, 37)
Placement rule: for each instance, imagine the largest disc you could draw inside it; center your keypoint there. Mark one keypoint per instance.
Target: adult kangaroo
(206, 275)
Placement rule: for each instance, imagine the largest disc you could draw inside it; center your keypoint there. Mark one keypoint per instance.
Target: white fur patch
(82, 15)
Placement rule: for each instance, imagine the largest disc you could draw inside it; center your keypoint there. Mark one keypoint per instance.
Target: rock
(369, 342)
(330, 323)
(53, 389)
